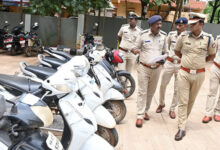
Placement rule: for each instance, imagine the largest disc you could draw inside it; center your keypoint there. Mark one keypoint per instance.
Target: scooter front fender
(113, 94)
(95, 142)
(104, 117)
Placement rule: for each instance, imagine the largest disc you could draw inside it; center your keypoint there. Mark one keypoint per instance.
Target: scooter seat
(61, 53)
(41, 72)
(55, 62)
(19, 83)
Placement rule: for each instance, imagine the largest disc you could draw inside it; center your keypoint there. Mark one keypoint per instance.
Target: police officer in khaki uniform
(171, 67)
(194, 48)
(127, 36)
(213, 88)
(152, 43)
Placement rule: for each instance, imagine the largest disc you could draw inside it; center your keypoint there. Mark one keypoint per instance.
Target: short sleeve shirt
(129, 36)
(195, 49)
(151, 45)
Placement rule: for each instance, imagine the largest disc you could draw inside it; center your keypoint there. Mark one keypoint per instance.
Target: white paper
(156, 59)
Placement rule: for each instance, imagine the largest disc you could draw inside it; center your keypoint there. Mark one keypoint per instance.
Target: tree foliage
(213, 9)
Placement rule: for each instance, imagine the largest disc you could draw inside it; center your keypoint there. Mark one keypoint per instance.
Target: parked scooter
(114, 99)
(79, 122)
(33, 45)
(19, 129)
(87, 89)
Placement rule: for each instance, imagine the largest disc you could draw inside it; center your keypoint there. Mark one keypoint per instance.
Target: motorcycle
(3, 32)
(33, 44)
(15, 42)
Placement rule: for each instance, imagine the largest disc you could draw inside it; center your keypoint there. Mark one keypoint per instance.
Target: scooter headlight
(65, 88)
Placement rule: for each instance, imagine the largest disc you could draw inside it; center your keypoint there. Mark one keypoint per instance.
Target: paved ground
(158, 133)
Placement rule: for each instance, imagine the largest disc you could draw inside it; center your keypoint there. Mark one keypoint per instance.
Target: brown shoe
(172, 114)
(206, 119)
(160, 108)
(139, 123)
(146, 117)
(180, 134)
(217, 118)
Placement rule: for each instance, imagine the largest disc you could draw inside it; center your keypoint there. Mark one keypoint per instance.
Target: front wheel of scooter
(110, 135)
(117, 108)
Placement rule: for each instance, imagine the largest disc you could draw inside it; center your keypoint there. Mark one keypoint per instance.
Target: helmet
(117, 57)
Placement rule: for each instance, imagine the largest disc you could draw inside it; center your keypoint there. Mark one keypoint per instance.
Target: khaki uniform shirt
(217, 57)
(151, 45)
(129, 36)
(195, 49)
(171, 41)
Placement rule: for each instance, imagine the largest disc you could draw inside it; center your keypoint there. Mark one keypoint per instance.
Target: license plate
(22, 42)
(8, 46)
(7, 40)
(53, 142)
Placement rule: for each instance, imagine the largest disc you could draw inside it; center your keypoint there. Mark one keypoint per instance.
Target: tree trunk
(21, 10)
(167, 12)
(219, 16)
(143, 9)
(59, 29)
(158, 10)
(213, 12)
(176, 13)
(99, 16)
(180, 8)
(126, 9)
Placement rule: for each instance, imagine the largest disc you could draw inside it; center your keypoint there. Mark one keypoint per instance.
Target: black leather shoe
(180, 134)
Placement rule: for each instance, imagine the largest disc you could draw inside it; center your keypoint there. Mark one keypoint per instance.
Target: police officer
(213, 88)
(171, 67)
(127, 36)
(195, 48)
(150, 44)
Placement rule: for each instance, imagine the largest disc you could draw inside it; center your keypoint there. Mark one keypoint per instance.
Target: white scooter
(114, 99)
(90, 93)
(79, 122)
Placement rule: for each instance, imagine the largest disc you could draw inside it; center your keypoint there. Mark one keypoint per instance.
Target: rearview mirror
(6, 22)
(35, 24)
(21, 23)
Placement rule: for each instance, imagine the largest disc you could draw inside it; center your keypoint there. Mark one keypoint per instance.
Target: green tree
(213, 9)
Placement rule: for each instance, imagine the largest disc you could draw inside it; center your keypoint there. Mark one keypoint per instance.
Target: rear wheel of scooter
(13, 51)
(28, 51)
(128, 83)
(117, 109)
(110, 135)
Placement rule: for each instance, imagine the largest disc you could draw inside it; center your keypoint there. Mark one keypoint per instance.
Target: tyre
(117, 109)
(13, 51)
(110, 135)
(128, 83)
(28, 51)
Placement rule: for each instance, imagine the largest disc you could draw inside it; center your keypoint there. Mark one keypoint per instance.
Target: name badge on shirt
(148, 41)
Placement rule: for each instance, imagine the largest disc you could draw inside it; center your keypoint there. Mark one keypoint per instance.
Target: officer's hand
(135, 51)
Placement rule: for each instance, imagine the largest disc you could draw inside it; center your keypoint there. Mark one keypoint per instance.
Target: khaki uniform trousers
(128, 61)
(147, 84)
(188, 88)
(170, 69)
(213, 89)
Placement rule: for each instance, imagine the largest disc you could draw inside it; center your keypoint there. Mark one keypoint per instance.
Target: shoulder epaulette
(139, 28)
(207, 34)
(162, 32)
(124, 25)
(185, 33)
(145, 31)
